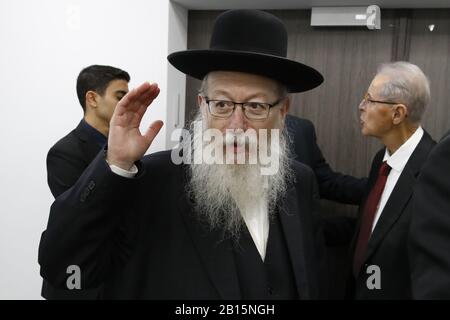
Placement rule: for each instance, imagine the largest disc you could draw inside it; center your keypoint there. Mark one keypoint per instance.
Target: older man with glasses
(202, 229)
(391, 111)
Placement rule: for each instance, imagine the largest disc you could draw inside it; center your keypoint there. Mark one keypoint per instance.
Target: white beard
(222, 191)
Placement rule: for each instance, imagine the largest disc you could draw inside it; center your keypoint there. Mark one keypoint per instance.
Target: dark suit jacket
(156, 247)
(387, 246)
(332, 185)
(66, 162)
(430, 226)
(68, 159)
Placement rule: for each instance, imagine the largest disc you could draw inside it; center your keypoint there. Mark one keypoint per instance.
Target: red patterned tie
(370, 208)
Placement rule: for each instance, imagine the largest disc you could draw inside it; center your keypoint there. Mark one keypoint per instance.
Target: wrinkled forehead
(241, 86)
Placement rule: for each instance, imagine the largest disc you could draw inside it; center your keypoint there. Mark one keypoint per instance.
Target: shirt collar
(94, 134)
(397, 161)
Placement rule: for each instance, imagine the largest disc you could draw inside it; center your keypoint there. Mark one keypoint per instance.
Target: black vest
(271, 279)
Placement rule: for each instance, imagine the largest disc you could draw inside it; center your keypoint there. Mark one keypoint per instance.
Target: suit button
(91, 185)
(84, 194)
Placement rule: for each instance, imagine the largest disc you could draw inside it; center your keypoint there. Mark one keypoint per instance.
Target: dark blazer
(387, 246)
(430, 226)
(156, 248)
(332, 185)
(68, 158)
(66, 162)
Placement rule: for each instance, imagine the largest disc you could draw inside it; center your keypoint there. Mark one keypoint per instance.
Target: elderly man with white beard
(229, 192)
(210, 229)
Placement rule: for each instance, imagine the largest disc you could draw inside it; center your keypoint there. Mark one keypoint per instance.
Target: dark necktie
(370, 208)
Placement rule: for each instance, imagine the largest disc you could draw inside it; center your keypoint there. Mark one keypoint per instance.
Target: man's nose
(361, 105)
(237, 119)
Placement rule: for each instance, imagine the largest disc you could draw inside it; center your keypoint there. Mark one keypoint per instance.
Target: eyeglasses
(366, 100)
(252, 110)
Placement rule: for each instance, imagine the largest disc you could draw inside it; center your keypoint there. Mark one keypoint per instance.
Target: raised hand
(126, 144)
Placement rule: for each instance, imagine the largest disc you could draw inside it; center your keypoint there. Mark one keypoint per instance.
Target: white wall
(43, 46)
(176, 82)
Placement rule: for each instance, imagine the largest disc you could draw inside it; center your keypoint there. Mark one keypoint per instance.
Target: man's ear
(285, 108)
(203, 110)
(91, 99)
(199, 100)
(400, 113)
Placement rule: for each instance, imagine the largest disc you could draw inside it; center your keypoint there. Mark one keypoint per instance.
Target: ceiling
(306, 4)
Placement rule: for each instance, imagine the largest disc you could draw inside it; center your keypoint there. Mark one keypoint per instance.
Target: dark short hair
(97, 78)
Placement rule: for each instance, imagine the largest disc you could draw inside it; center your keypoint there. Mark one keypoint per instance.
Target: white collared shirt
(257, 220)
(397, 161)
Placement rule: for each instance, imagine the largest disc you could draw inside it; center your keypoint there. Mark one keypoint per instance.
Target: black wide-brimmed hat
(249, 41)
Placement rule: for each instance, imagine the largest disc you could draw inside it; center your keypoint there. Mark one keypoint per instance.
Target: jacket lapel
(215, 251)
(91, 147)
(289, 213)
(401, 193)
(394, 208)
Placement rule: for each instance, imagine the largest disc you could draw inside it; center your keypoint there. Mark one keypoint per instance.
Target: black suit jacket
(66, 162)
(430, 226)
(388, 245)
(68, 159)
(156, 248)
(332, 185)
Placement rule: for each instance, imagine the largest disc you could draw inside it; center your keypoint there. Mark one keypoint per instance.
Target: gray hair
(408, 85)
(204, 85)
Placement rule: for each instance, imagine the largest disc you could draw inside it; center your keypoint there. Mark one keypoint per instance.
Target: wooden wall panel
(347, 57)
(431, 52)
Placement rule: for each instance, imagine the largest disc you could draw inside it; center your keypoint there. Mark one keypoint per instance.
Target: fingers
(143, 87)
(153, 130)
(133, 100)
(146, 100)
(145, 94)
(143, 103)
(126, 101)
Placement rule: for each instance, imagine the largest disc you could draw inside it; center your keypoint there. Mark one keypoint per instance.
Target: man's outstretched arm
(84, 220)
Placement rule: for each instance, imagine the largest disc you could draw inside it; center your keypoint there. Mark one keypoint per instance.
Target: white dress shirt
(397, 161)
(256, 216)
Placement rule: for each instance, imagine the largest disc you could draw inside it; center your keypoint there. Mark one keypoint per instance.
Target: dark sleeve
(85, 227)
(64, 167)
(430, 227)
(333, 185)
(319, 250)
(340, 230)
(320, 243)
